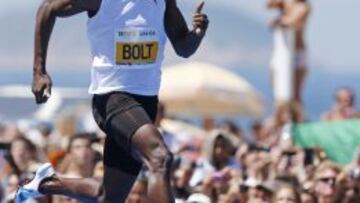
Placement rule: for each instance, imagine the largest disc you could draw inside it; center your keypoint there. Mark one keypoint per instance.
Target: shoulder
(170, 3)
(90, 5)
(82, 5)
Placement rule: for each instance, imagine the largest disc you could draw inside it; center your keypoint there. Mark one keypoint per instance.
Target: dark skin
(184, 41)
(146, 140)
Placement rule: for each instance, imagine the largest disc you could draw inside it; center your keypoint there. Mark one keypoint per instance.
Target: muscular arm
(184, 41)
(47, 13)
(45, 20)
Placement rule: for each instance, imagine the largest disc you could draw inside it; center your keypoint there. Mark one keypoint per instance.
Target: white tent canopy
(206, 90)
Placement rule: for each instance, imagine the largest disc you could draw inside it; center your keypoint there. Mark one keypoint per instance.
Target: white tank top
(127, 41)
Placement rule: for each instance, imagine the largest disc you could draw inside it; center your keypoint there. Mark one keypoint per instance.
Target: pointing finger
(200, 7)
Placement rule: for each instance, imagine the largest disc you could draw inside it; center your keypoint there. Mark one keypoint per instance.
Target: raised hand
(200, 20)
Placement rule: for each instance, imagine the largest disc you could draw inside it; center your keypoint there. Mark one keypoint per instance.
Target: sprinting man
(127, 40)
(289, 34)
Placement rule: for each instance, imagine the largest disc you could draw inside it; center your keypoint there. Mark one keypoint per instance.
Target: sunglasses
(331, 180)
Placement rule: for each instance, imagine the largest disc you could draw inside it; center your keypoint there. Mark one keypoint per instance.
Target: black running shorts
(120, 115)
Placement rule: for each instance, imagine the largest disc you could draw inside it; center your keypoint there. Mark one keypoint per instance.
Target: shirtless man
(344, 107)
(294, 16)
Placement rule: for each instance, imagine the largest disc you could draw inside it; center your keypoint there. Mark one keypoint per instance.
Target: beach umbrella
(180, 127)
(200, 89)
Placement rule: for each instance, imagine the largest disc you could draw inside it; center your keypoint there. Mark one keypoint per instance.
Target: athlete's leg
(147, 141)
(115, 188)
(120, 168)
(83, 189)
(117, 185)
(129, 129)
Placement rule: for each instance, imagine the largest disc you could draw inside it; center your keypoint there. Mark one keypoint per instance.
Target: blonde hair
(325, 166)
(290, 187)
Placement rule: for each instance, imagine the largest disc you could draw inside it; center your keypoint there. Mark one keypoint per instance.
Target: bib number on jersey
(136, 46)
(136, 53)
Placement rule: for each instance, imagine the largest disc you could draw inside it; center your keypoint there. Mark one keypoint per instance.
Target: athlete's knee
(160, 159)
(153, 149)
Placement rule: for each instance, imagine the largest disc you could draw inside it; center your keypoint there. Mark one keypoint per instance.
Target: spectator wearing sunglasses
(326, 186)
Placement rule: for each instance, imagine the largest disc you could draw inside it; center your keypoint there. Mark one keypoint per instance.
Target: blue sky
(333, 35)
(334, 32)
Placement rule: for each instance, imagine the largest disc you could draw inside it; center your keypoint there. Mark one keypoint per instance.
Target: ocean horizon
(318, 93)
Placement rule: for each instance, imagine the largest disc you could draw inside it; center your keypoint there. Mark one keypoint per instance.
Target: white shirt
(127, 40)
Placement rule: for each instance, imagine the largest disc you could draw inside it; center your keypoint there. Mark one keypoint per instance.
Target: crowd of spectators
(219, 165)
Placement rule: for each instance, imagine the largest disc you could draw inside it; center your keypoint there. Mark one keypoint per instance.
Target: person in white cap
(198, 198)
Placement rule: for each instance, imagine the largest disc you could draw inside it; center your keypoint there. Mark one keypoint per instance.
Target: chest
(134, 12)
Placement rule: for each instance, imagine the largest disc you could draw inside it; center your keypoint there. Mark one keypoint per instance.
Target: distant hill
(233, 39)
(237, 31)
